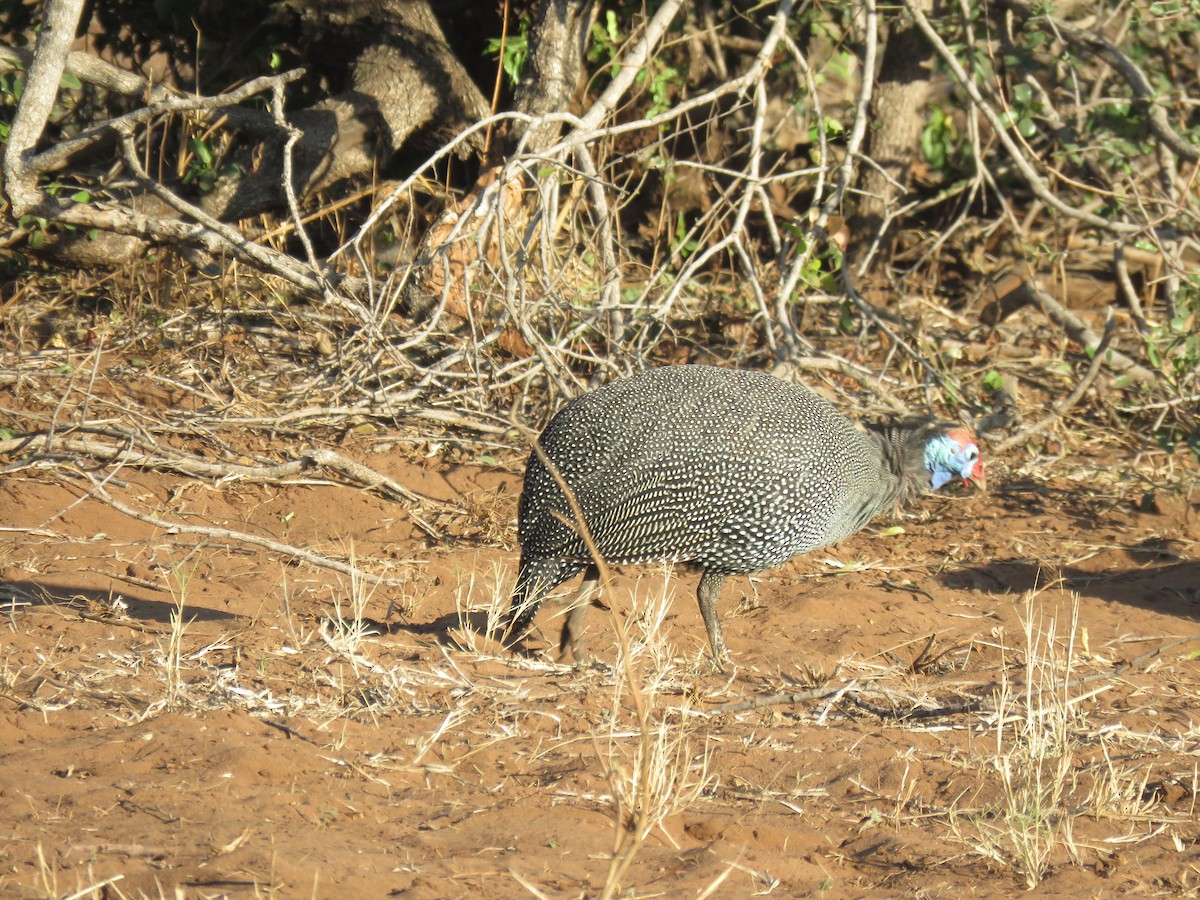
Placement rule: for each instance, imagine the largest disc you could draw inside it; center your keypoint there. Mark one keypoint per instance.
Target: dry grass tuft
(1043, 743)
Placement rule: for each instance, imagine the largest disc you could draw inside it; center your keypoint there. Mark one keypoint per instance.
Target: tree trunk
(398, 79)
(898, 115)
(558, 42)
(406, 79)
(551, 78)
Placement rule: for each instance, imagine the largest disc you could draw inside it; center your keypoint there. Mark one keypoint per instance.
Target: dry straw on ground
(256, 546)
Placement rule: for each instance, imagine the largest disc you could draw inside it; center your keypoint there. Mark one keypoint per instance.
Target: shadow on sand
(1172, 589)
(117, 606)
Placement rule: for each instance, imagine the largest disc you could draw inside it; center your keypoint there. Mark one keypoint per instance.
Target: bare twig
(41, 90)
(1035, 181)
(217, 236)
(817, 231)
(632, 61)
(1098, 45)
(60, 153)
(1121, 268)
(155, 457)
(1078, 331)
(241, 537)
(1067, 403)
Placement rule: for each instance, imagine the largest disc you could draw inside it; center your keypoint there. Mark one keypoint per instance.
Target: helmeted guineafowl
(732, 471)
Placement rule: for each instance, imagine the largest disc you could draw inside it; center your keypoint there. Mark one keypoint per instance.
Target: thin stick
(225, 471)
(241, 537)
(856, 694)
(1067, 403)
(1035, 181)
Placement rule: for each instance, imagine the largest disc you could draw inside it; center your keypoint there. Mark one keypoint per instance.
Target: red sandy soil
(260, 748)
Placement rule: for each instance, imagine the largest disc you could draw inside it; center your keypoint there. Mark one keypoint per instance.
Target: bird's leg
(572, 631)
(710, 587)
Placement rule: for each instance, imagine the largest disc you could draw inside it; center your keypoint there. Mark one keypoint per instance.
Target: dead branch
(372, 479)
(153, 456)
(817, 233)
(240, 537)
(41, 90)
(1079, 332)
(1128, 291)
(1098, 45)
(496, 205)
(90, 68)
(58, 155)
(1067, 403)
(632, 61)
(751, 180)
(908, 707)
(22, 167)
(393, 95)
(1036, 183)
(216, 236)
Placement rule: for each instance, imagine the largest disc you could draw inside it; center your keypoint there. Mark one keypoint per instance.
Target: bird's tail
(535, 579)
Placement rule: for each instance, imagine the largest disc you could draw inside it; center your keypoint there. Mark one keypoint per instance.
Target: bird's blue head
(954, 454)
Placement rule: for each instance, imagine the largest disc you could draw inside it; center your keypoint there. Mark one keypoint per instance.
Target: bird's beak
(978, 478)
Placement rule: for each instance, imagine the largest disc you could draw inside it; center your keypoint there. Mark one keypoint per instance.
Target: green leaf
(1026, 126)
(931, 150)
(202, 150)
(70, 82)
(82, 197)
(6, 434)
(610, 20)
(993, 380)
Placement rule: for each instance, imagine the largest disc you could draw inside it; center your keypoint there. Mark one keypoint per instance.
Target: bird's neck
(901, 447)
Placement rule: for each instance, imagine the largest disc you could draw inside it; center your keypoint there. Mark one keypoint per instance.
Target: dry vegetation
(252, 679)
(254, 541)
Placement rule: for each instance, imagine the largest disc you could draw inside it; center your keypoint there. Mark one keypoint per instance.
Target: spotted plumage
(732, 471)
